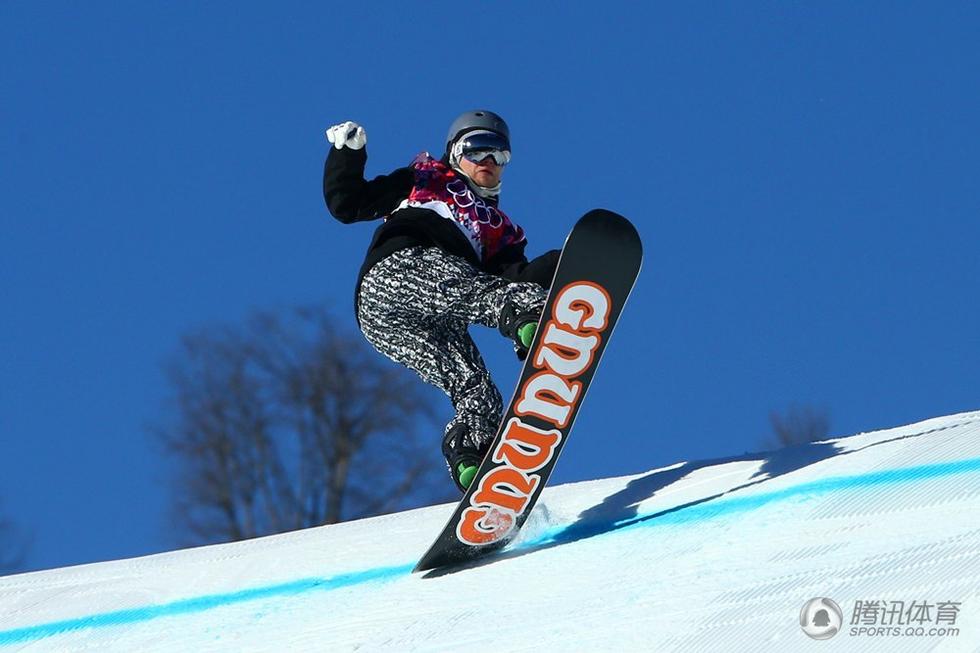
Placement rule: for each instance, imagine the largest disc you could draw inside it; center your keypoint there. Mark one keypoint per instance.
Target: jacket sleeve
(512, 264)
(350, 198)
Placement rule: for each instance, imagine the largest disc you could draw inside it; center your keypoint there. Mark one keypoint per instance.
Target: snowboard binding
(463, 456)
(520, 326)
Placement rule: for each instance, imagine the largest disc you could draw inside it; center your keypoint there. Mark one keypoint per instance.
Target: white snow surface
(716, 555)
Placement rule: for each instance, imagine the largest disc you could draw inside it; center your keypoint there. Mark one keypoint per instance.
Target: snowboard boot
(519, 326)
(463, 455)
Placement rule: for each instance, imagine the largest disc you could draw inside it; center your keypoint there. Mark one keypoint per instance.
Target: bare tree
(286, 423)
(798, 425)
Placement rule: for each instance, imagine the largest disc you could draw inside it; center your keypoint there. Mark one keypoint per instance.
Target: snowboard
(595, 274)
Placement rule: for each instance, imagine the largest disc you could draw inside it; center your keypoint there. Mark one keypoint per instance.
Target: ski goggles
(477, 146)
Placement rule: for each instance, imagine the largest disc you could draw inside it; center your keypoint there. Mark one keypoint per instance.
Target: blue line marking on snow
(728, 506)
(709, 510)
(200, 604)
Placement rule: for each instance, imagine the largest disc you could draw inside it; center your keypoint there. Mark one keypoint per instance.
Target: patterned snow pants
(415, 307)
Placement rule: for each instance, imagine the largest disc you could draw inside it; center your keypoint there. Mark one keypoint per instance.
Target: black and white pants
(416, 306)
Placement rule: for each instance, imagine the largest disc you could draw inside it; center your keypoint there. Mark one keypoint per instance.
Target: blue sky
(804, 177)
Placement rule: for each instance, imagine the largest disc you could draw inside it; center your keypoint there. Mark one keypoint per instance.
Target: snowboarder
(445, 257)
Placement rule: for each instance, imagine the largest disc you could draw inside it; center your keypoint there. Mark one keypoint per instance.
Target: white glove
(347, 133)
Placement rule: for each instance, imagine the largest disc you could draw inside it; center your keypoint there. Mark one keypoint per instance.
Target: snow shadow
(621, 509)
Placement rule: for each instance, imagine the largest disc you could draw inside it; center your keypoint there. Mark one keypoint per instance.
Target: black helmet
(479, 119)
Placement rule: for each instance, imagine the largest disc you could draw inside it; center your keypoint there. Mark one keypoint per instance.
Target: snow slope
(718, 555)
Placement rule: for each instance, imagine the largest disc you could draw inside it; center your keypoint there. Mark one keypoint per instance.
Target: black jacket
(350, 198)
